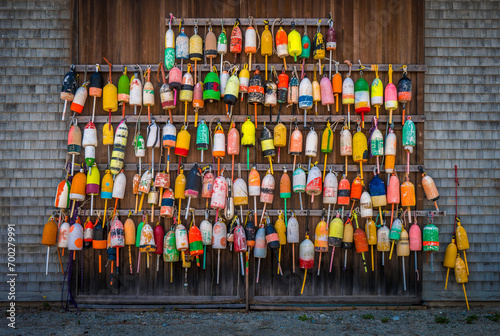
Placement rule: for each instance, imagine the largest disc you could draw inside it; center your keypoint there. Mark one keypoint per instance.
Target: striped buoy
(118, 155)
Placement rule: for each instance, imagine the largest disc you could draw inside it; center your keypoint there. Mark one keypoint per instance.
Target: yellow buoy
(450, 258)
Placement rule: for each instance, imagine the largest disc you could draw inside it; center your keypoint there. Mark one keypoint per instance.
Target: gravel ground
(53, 321)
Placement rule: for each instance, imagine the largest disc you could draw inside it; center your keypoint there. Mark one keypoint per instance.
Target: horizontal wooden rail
(262, 117)
(270, 212)
(279, 66)
(229, 22)
(260, 166)
(278, 167)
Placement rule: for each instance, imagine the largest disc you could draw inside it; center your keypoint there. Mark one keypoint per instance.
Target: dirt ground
(45, 320)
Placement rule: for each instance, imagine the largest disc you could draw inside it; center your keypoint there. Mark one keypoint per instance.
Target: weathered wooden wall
(374, 32)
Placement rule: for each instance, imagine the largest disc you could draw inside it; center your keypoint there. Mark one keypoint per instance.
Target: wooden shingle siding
(462, 128)
(34, 55)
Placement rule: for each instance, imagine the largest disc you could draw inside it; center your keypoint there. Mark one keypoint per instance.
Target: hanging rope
(69, 295)
(110, 79)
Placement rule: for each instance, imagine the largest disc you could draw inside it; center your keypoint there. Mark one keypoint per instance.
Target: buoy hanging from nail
(348, 93)
(120, 143)
(360, 149)
(222, 43)
(80, 98)
(266, 44)
(68, 88)
(170, 251)
(92, 187)
(182, 45)
(285, 190)
(371, 234)
(254, 187)
(136, 90)
(210, 44)
(345, 144)
(256, 92)
(318, 45)
(206, 236)
(167, 204)
(335, 235)
(193, 185)
(377, 91)
(174, 82)
(207, 187)
(233, 145)
(294, 43)
(296, 141)
(89, 142)
(267, 191)
(299, 183)
(267, 145)
(123, 90)
(219, 241)
(195, 48)
(292, 235)
(179, 190)
(187, 88)
(74, 142)
(211, 86)
(360, 241)
(383, 241)
(321, 239)
(219, 195)
(202, 137)
(331, 42)
(250, 42)
(408, 196)
(361, 96)
(248, 137)
(403, 250)
(240, 191)
(305, 97)
(236, 40)
(244, 79)
(390, 151)
(431, 192)
(109, 94)
(282, 44)
(395, 234)
(347, 240)
(390, 96)
(49, 238)
(306, 258)
(337, 86)
(314, 182)
(376, 143)
(169, 45)
(330, 189)
(404, 91)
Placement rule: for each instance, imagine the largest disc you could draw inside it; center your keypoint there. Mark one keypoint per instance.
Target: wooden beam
(333, 300)
(278, 66)
(186, 300)
(270, 212)
(246, 22)
(260, 167)
(318, 119)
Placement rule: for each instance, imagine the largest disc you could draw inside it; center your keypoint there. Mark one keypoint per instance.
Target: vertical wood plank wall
(132, 32)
